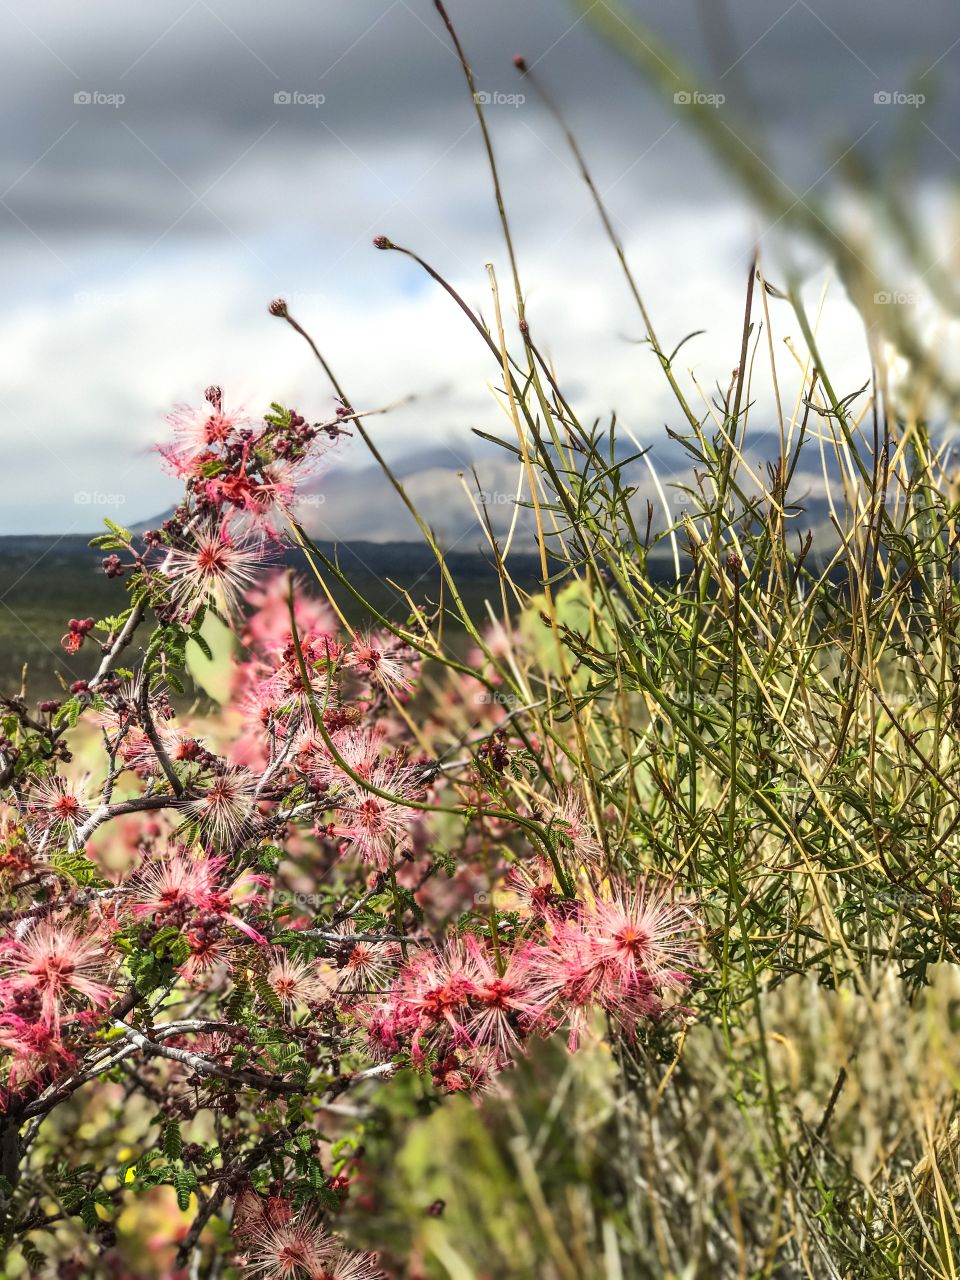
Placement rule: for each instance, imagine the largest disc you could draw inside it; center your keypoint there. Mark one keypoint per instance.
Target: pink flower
(56, 808)
(267, 627)
(570, 818)
(619, 955)
(472, 1074)
(283, 692)
(643, 936)
(388, 1023)
(365, 967)
(502, 1001)
(64, 967)
(567, 971)
(32, 1044)
(533, 884)
(226, 810)
(266, 504)
(361, 746)
(378, 659)
(295, 981)
(339, 1263)
(436, 988)
(182, 888)
(372, 825)
(280, 1244)
(215, 569)
(197, 433)
(175, 885)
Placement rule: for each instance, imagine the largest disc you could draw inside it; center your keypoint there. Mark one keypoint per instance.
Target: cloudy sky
(169, 168)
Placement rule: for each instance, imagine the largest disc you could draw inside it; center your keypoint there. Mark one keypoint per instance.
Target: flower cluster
(278, 1242)
(246, 913)
(466, 1008)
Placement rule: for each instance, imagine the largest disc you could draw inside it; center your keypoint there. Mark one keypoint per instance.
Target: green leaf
(185, 1183)
(118, 530)
(78, 867)
(268, 995)
(172, 1140)
(35, 1260)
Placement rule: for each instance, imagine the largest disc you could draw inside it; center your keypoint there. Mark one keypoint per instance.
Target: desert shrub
(660, 875)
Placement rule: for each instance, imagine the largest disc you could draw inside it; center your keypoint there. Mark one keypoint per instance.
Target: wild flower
(474, 1071)
(256, 500)
(373, 826)
(341, 1263)
(77, 631)
(643, 935)
(199, 433)
(57, 807)
(267, 625)
(505, 1010)
(360, 746)
(34, 1047)
(265, 505)
(571, 819)
(174, 885)
(364, 966)
(189, 887)
(294, 981)
(226, 808)
(278, 1243)
(435, 988)
(379, 659)
(189, 922)
(566, 971)
(619, 954)
(534, 884)
(214, 568)
(67, 969)
(282, 688)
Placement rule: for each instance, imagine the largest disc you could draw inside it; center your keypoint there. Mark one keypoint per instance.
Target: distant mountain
(458, 493)
(452, 494)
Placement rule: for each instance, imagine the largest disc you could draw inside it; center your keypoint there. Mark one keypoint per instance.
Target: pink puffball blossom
(378, 659)
(294, 981)
(65, 968)
(197, 433)
(214, 569)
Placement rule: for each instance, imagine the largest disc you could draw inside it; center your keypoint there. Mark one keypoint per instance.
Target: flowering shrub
(173, 961)
(710, 763)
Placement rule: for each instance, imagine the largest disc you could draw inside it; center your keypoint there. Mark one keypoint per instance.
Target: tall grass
(775, 727)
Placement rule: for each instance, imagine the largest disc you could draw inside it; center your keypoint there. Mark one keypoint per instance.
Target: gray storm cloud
(169, 168)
